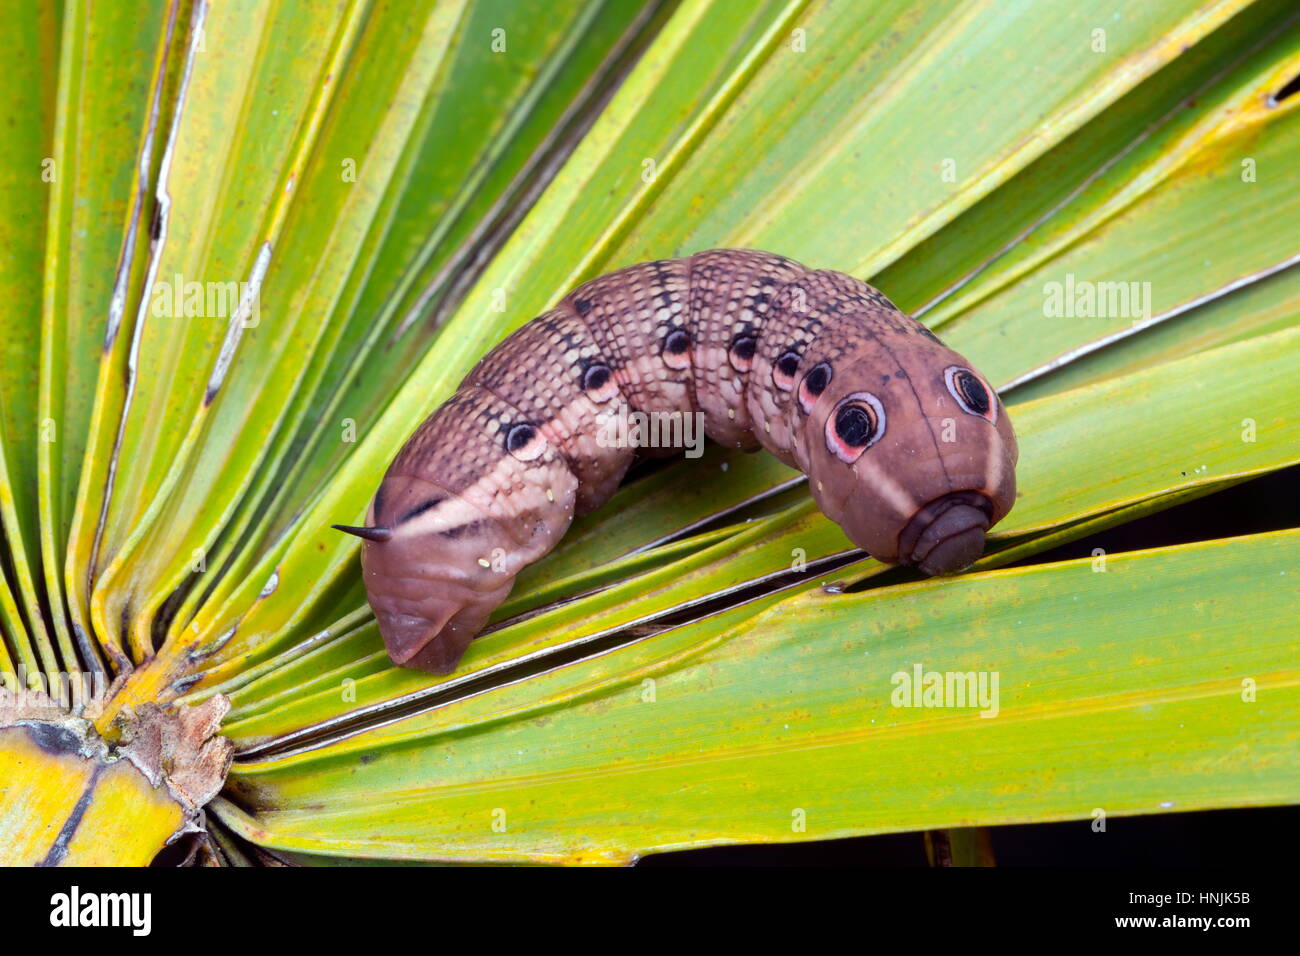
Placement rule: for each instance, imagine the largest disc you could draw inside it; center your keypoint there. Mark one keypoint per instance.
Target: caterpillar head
(908, 449)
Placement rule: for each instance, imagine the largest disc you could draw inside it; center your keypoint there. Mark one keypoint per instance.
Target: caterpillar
(906, 447)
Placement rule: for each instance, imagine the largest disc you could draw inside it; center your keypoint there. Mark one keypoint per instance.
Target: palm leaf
(707, 659)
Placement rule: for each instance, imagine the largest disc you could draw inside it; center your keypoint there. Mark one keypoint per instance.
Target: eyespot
(813, 384)
(676, 351)
(598, 382)
(525, 442)
(783, 371)
(855, 424)
(741, 354)
(971, 393)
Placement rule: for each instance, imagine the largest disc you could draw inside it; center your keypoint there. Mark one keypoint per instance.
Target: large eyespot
(741, 354)
(813, 384)
(855, 424)
(971, 393)
(525, 442)
(783, 371)
(598, 382)
(676, 350)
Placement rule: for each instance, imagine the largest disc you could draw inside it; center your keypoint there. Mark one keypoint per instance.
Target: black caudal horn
(370, 534)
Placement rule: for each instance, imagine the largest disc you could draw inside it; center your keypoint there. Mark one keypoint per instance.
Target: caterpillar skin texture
(906, 447)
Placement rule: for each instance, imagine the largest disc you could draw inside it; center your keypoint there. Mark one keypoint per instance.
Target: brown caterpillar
(905, 446)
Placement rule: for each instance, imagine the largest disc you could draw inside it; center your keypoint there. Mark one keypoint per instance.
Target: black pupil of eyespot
(595, 377)
(973, 393)
(743, 346)
(818, 379)
(788, 363)
(677, 342)
(519, 436)
(853, 424)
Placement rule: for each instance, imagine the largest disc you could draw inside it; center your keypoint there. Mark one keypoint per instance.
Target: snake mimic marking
(906, 447)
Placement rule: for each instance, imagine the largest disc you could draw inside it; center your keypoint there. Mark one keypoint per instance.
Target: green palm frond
(379, 192)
